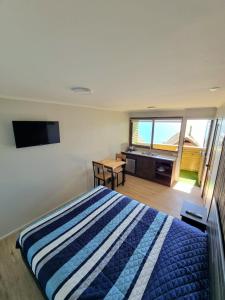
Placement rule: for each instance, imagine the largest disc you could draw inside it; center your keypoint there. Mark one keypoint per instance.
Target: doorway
(208, 186)
(194, 149)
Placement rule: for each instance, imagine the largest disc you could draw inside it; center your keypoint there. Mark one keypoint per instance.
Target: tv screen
(34, 133)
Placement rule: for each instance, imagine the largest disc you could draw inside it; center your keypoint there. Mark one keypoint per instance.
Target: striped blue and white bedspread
(104, 245)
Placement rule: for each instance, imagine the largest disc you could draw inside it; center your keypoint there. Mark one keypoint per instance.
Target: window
(141, 132)
(160, 134)
(166, 134)
(197, 132)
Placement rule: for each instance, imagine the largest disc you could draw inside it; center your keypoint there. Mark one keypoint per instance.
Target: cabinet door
(130, 167)
(145, 167)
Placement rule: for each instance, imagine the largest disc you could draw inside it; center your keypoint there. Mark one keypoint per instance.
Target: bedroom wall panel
(36, 179)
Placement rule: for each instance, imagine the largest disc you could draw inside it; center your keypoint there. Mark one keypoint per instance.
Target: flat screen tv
(35, 133)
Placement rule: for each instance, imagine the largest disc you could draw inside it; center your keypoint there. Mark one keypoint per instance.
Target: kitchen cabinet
(145, 167)
(154, 168)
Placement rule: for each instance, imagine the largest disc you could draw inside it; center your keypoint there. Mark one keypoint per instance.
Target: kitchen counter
(151, 166)
(153, 155)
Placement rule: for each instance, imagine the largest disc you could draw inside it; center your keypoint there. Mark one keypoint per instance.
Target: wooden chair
(102, 174)
(121, 157)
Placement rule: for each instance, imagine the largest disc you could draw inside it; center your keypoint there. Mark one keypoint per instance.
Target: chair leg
(113, 182)
(123, 174)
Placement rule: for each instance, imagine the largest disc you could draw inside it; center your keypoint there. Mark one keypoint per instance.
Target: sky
(198, 130)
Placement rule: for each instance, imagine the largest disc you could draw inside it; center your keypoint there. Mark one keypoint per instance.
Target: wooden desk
(114, 164)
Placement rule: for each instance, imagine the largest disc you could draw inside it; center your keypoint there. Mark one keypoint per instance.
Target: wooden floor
(166, 199)
(16, 282)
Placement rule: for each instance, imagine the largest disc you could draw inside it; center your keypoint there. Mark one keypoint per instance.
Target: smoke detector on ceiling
(81, 90)
(214, 89)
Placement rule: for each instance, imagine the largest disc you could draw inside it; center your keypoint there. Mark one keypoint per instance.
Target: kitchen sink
(150, 154)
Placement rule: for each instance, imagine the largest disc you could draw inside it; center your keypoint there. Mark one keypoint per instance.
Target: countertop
(152, 155)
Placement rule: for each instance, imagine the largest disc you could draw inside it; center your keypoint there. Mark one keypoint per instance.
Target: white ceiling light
(81, 90)
(151, 107)
(214, 89)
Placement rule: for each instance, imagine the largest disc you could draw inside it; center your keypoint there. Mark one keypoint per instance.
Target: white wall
(191, 113)
(36, 179)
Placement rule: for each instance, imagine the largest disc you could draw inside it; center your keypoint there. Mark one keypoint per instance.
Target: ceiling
(131, 53)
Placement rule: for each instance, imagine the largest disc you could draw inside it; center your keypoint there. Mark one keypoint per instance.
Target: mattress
(104, 245)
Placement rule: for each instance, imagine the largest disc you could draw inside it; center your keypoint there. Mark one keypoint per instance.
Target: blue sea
(162, 131)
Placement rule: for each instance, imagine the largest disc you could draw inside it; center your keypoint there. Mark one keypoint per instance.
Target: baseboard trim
(14, 231)
(36, 219)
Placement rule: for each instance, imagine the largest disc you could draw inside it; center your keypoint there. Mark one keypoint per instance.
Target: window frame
(131, 131)
(153, 131)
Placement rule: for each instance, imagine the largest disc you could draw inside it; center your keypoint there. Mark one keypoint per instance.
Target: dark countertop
(152, 155)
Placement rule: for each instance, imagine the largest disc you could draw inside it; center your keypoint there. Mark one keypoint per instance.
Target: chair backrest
(120, 156)
(108, 170)
(99, 168)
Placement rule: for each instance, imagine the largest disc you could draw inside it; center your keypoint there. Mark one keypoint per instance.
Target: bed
(104, 245)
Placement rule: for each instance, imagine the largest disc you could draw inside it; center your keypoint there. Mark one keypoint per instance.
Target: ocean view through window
(160, 134)
(142, 132)
(166, 134)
